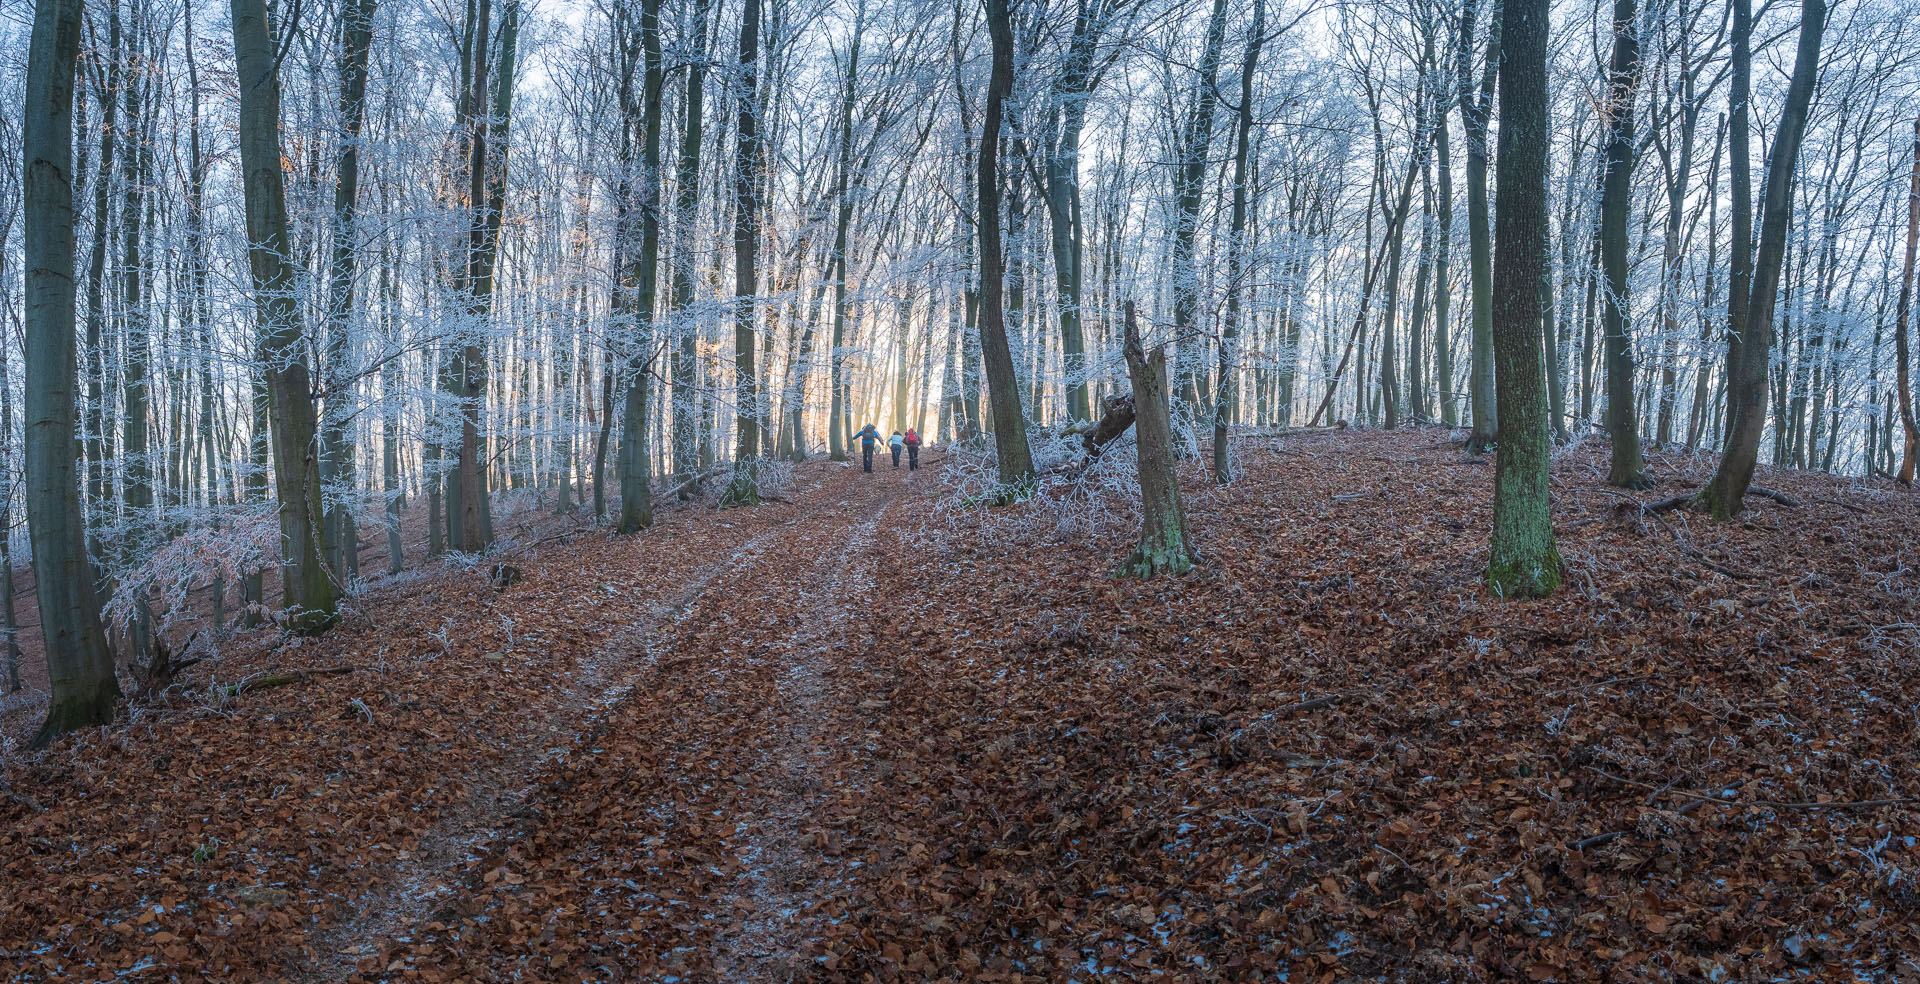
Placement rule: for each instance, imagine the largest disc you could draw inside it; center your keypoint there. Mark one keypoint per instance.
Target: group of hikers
(909, 442)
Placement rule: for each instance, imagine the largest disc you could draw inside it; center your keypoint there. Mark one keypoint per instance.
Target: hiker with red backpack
(913, 450)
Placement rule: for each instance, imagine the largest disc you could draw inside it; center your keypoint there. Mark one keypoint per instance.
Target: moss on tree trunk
(1524, 562)
(1163, 520)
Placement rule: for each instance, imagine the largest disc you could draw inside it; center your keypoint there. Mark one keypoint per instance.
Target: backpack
(913, 439)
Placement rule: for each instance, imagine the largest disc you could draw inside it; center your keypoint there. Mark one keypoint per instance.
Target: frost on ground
(878, 733)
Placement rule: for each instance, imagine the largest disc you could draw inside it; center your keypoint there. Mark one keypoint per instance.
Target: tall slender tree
(309, 593)
(1616, 201)
(636, 293)
(1003, 387)
(1236, 250)
(1750, 327)
(336, 462)
(1475, 109)
(746, 252)
(1903, 321)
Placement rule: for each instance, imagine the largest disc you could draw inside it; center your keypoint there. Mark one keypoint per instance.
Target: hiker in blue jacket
(868, 438)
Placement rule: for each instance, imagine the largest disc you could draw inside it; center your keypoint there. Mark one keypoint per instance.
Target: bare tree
(79, 667)
(1750, 325)
(1003, 388)
(309, 593)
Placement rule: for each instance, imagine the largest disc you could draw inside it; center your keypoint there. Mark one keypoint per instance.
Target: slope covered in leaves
(869, 739)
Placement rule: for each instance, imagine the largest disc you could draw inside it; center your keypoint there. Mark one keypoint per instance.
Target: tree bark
(308, 592)
(686, 203)
(1523, 561)
(746, 249)
(1750, 326)
(1003, 387)
(634, 297)
(1229, 392)
(356, 39)
(1474, 111)
(1189, 186)
(1903, 320)
(1163, 547)
(79, 666)
(1629, 466)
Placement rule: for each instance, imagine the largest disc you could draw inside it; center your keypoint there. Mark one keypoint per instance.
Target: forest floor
(863, 735)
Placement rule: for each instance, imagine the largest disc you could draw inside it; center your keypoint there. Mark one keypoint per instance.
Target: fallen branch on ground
(272, 680)
(1673, 502)
(1719, 568)
(1598, 839)
(1766, 804)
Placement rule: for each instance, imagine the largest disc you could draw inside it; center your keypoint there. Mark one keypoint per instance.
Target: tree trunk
(1003, 387)
(308, 593)
(1750, 326)
(843, 216)
(1474, 110)
(1189, 186)
(1523, 562)
(1163, 547)
(356, 38)
(1629, 467)
(79, 666)
(1236, 252)
(746, 250)
(686, 204)
(1903, 319)
(634, 297)
(1442, 288)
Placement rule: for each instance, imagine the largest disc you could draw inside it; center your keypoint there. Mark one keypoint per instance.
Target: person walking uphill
(913, 450)
(896, 444)
(868, 438)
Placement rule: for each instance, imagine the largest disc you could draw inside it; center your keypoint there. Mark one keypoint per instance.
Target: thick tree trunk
(309, 594)
(1751, 326)
(1523, 562)
(79, 666)
(1003, 387)
(1163, 547)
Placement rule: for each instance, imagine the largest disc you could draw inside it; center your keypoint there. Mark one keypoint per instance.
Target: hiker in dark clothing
(868, 438)
(913, 450)
(896, 444)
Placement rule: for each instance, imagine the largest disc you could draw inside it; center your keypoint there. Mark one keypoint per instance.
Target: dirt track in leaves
(840, 739)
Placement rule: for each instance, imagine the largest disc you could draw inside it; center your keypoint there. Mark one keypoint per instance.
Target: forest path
(424, 879)
(687, 831)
